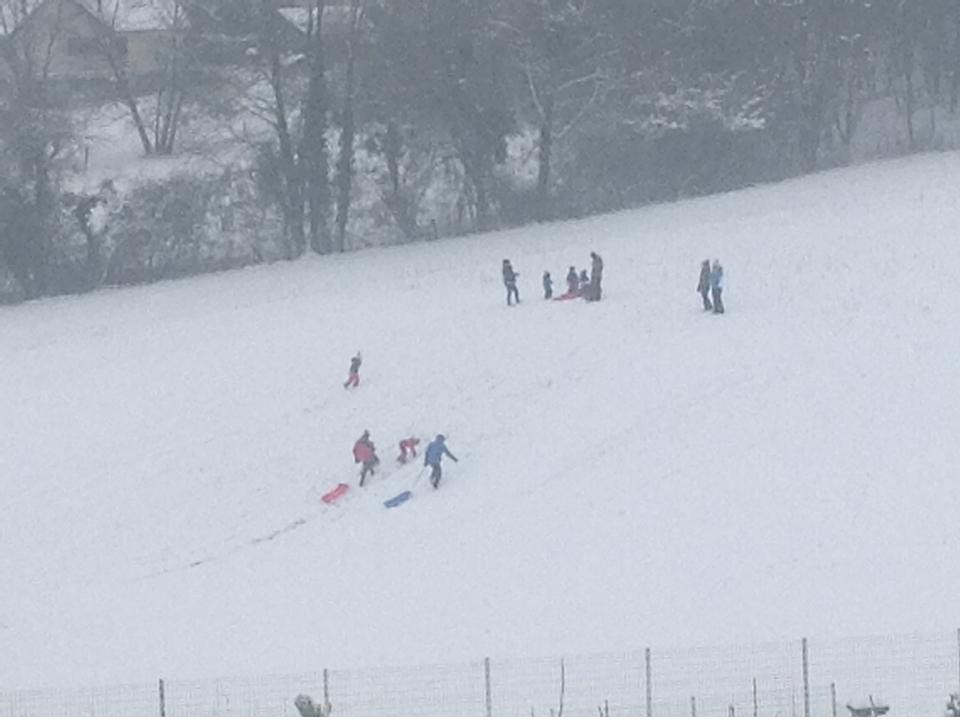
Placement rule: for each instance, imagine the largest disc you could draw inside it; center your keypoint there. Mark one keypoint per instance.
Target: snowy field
(632, 472)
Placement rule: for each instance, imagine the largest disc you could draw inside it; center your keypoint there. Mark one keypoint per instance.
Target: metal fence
(913, 674)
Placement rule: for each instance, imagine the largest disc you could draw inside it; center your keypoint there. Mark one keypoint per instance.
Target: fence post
(486, 686)
(326, 688)
(649, 689)
(806, 681)
(833, 699)
(163, 699)
(756, 706)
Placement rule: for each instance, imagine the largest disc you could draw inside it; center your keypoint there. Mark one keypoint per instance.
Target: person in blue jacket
(716, 287)
(432, 457)
(547, 285)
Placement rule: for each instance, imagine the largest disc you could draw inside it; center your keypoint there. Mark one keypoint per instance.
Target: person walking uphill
(365, 453)
(354, 378)
(510, 281)
(433, 456)
(703, 287)
(716, 287)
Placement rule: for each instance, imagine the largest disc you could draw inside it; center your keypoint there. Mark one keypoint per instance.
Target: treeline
(523, 110)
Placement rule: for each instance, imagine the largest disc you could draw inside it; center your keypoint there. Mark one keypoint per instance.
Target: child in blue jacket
(716, 287)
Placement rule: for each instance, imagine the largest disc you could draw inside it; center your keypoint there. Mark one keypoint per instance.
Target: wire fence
(911, 674)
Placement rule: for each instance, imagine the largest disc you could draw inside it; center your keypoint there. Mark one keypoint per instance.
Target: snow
(632, 473)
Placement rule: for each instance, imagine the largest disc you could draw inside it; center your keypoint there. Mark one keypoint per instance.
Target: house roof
(136, 15)
(299, 17)
(335, 14)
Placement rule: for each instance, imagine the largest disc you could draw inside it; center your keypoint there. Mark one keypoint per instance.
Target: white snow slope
(632, 472)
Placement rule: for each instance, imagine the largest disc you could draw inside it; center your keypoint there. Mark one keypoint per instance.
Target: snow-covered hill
(632, 472)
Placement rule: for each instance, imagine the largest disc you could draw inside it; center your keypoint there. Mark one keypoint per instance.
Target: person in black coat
(510, 281)
(354, 378)
(594, 291)
(703, 287)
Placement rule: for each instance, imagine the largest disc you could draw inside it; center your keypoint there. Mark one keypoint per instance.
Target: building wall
(147, 51)
(62, 37)
(68, 40)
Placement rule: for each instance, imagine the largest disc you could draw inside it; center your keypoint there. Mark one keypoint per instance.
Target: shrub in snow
(953, 705)
(307, 708)
(186, 225)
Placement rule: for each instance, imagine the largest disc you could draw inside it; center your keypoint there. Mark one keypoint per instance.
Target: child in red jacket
(408, 445)
(365, 453)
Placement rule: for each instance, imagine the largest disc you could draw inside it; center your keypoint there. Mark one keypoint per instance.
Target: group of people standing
(582, 284)
(711, 286)
(588, 286)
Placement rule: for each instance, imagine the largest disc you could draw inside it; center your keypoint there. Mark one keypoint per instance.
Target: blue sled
(398, 500)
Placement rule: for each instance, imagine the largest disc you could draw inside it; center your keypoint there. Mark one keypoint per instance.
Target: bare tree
(174, 63)
(564, 59)
(472, 95)
(35, 135)
(267, 92)
(348, 125)
(313, 148)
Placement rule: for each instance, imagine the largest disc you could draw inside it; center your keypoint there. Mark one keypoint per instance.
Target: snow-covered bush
(953, 705)
(186, 225)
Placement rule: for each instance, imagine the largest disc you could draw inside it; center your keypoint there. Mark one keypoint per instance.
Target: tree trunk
(44, 208)
(908, 105)
(170, 105)
(292, 195)
(396, 201)
(544, 157)
(955, 66)
(392, 149)
(314, 145)
(847, 129)
(347, 133)
(126, 96)
(94, 254)
(482, 204)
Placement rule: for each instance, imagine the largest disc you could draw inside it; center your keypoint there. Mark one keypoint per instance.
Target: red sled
(338, 492)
